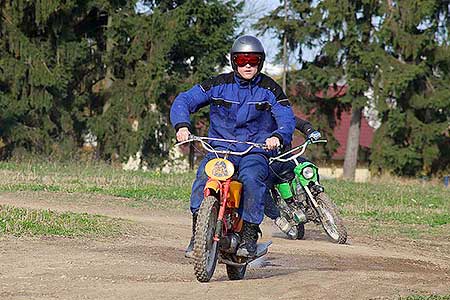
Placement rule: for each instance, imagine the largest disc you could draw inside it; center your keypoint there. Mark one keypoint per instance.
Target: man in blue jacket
(245, 105)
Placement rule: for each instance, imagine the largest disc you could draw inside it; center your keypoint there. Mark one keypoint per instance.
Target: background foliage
(74, 68)
(71, 69)
(397, 51)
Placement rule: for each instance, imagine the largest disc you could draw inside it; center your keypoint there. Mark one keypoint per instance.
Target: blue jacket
(239, 109)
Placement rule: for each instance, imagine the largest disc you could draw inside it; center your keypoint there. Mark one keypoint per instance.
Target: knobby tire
(331, 221)
(205, 248)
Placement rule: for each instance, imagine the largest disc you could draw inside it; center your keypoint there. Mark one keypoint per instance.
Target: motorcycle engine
(298, 204)
(300, 216)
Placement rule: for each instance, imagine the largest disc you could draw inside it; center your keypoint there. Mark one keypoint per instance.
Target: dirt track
(149, 263)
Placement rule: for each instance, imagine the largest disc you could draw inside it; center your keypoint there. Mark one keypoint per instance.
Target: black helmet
(247, 44)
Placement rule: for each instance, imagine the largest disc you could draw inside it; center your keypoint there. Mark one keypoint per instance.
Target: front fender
(211, 185)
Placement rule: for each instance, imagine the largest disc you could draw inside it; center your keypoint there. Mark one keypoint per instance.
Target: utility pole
(285, 47)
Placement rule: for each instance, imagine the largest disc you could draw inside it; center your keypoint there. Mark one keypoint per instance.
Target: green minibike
(302, 199)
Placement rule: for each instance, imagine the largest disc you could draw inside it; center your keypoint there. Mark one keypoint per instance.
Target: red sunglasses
(243, 59)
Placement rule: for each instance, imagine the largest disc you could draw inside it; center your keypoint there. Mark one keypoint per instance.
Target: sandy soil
(148, 262)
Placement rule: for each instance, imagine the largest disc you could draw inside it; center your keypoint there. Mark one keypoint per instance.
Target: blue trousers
(252, 170)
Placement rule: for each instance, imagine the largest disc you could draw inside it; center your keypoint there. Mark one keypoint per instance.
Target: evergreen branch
(46, 67)
(429, 84)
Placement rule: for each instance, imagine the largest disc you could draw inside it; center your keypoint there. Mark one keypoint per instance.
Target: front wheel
(205, 248)
(330, 219)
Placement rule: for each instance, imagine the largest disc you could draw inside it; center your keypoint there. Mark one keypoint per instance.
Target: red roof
(340, 133)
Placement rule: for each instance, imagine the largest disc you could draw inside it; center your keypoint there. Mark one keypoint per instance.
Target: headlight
(308, 172)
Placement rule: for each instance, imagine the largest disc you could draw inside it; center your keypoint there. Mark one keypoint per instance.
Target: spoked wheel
(236, 272)
(205, 248)
(331, 221)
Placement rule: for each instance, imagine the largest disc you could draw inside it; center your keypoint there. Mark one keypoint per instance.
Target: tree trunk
(107, 81)
(351, 152)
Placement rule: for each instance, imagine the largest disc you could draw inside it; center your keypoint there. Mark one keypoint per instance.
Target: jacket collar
(246, 83)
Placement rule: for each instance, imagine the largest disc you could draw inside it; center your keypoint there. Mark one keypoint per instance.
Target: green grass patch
(414, 203)
(410, 203)
(149, 188)
(389, 194)
(150, 192)
(23, 221)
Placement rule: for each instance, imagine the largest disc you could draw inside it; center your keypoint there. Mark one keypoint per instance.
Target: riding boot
(247, 248)
(189, 253)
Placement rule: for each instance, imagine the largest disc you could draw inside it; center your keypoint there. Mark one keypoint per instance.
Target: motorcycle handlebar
(301, 147)
(203, 141)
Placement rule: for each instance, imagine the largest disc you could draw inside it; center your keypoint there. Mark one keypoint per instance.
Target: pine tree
(414, 78)
(72, 68)
(397, 49)
(155, 56)
(47, 63)
(343, 30)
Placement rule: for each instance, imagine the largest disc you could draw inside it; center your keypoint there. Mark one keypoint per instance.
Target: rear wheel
(236, 272)
(331, 221)
(301, 231)
(205, 248)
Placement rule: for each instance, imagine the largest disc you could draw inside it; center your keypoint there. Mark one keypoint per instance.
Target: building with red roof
(340, 131)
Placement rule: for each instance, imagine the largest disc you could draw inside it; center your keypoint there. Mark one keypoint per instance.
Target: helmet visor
(243, 59)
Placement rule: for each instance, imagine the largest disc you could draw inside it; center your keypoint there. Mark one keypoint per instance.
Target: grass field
(21, 221)
(404, 207)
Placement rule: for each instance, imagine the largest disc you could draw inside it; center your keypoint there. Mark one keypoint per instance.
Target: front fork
(310, 196)
(316, 189)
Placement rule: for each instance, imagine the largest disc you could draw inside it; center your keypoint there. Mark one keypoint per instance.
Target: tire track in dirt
(148, 263)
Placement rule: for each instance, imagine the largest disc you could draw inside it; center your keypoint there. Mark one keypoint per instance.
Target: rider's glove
(183, 134)
(273, 143)
(315, 135)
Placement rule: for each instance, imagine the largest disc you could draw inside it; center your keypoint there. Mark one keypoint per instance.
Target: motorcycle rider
(245, 105)
(280, 172)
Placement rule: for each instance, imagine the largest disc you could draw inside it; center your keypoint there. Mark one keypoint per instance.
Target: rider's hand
(273, 143)
(183, 134)
(315, 135)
